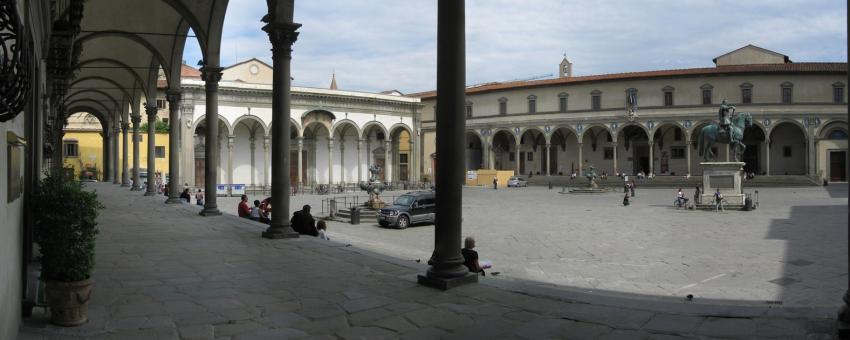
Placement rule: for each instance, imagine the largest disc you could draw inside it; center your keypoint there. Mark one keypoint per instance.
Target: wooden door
(838, 166)
(200, 170)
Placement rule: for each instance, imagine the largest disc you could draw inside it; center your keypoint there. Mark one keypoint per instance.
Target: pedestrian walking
(495, 183)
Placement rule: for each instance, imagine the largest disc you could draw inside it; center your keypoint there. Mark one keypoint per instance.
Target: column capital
(211, 74)
(266, 141)
(282, 36)
(360, 143)
(330, 142)
(125, 127)
(230, 141)
(173, 96)
(136, 119)
(150, 110)
(548, 145)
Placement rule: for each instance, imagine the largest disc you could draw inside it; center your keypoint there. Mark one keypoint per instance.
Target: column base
(279, 232)
(210, 212)
(446, 283)
(844, 318)
(148, 193)
(173, 200)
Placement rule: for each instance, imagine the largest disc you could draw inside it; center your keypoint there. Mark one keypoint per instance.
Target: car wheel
(403, 222)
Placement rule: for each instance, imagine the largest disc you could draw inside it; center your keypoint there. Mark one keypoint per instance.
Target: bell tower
(566, 68)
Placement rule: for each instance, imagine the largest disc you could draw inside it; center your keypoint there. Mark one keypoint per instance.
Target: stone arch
(293, 127)
(625, 126)
(120, 65)
(111, 82)
(374, 124)
(474, 150)
(782, 121)
(503, 143)
(202, 118)
(93, 91)
(826, 129)
(339, 123)
(144, 43)
(256, 119)
(787, 155)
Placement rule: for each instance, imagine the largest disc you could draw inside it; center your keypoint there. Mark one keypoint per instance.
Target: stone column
(651, 159)
(266, 142)
(688, 153)
(387, 173)
(359, 161)
(300, 161)
(491, 155)
(447, 269)
(580, 158)
(151, 112)
(616, 168)
(174, 185)
(107, 154)
(342, 160)
(516, 158)
(253, 147)
(767, 156)
(330, 161)
(137, 120)
(211, 75)
(115, 155)
(230, 141)
(125, 172)
(844, 313)
(282, 36)
(548, 160)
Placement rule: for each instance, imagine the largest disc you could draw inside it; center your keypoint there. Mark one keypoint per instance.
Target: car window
(427, 201)
(403, 200)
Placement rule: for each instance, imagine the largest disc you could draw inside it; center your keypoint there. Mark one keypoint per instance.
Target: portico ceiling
(123, 46)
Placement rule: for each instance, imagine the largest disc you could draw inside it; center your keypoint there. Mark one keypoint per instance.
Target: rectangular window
(503, 108)
(609, 153)
(706, 97)
(530, 156)
(159, 151)
(677, 152)
(160, 104)
(562, 104)
(677, 135)
(469, 111)
(532, 105)
(786, 151)
(402, 158)
(668, 98)
(596, 103)
(786, 95)
(511, 156)
(72, 149)
(746, 96)
(838, 95)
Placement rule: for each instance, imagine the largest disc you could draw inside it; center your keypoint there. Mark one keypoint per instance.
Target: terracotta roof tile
(730, 69)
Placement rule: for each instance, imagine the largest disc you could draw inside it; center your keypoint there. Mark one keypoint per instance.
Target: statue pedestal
(725, 176)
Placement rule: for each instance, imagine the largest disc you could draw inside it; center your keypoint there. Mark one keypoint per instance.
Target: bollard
(355, 216)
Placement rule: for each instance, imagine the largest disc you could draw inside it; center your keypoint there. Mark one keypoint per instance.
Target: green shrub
(65, 229)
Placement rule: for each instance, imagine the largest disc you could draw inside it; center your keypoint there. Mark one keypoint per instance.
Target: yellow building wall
(91, 144)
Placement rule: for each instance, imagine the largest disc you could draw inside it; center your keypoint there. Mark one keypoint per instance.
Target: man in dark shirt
(303, 223)
(470, 257)
(244, 209)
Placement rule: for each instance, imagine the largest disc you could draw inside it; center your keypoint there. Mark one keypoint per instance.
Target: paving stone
(280, 333)
(486, 329)
(196, 332)
(235, 328)
(673, 324)
(322, 326)
(543, 329)
(771, 328)
(365, 333)
(424, 334)
(727, 327)
(614, 317)
(666, 337)
(395, 323)
(623, 334)
(433, 317)
(360, 304)
(367, 316)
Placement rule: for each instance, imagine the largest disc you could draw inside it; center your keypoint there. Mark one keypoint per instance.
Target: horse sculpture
(713, 133)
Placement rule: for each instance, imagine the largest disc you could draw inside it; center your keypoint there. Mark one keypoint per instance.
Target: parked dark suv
(412, 207)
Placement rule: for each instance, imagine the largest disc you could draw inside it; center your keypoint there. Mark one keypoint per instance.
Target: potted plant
(65, 229)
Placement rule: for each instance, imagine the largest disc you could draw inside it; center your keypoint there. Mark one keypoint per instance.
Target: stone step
(672, 181)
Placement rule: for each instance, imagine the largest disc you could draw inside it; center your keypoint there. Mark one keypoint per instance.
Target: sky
(379, 45)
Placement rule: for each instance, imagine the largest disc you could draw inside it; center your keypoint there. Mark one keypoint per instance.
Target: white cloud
(385, 44)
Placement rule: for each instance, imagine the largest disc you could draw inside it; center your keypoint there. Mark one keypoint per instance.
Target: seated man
(244, 210)
(303, 223)
(470, 257)
(257, 214)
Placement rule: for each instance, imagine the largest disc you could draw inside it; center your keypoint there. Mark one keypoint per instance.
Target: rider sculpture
(724, 118)
(728, 130)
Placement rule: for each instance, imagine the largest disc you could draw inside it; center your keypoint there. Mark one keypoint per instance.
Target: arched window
(837, 134)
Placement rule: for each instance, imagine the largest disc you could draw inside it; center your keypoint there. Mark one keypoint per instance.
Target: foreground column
(151, 111)
(115, 155)
(580, 159)
(211, 75)
(174, 187)
(266, 142)
(616, 169)
(300, 161)
(548, 161)
(688, 154)
(282, 36)
(447, 269)
(767, 157)
(137, 120)
(253, 147)
(651, 161)
(107, 155)
(330, 163)
(387, 177)
(844, 314)
(125, 160)
(230, 141)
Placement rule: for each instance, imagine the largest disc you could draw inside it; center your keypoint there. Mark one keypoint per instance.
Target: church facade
(649, 122)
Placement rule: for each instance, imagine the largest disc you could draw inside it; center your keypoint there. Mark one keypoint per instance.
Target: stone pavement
(791, 251)
(165, 273)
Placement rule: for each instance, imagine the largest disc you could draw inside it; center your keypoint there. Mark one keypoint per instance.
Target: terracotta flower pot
(68, 301)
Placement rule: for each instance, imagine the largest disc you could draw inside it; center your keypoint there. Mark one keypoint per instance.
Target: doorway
(751, 158)
(838, 166)
(641, 157)
(200, 170)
